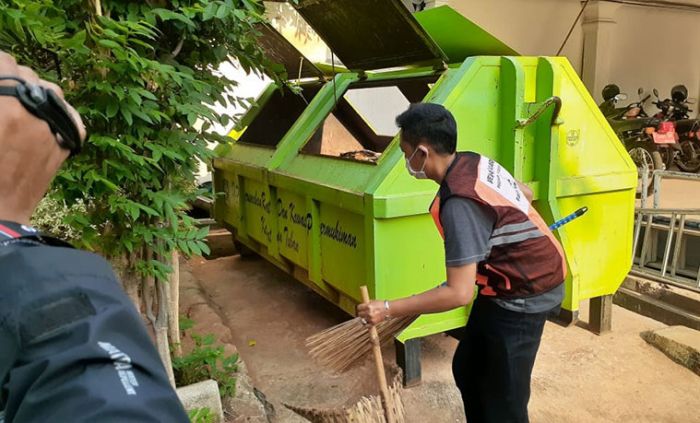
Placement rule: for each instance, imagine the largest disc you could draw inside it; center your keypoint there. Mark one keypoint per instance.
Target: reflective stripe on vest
(512, 239)
(514, 227)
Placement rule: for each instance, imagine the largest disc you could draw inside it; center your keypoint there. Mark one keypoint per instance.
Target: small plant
(207, 361)
(201, 415)
(51, 217)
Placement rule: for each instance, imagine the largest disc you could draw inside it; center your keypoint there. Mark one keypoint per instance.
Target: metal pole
(669, 240)
(637, 231)
(657, 189)
(679, 241)
(645, 242)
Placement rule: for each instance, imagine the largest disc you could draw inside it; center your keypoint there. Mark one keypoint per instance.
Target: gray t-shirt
(467, 226)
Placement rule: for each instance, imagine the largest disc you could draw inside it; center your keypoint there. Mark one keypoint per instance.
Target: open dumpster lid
(370, 34)
(458, 37)
(282, 52)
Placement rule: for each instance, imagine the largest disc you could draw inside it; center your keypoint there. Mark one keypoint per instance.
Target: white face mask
(418, 174)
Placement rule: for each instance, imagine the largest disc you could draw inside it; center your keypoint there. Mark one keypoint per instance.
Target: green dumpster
(316, 183)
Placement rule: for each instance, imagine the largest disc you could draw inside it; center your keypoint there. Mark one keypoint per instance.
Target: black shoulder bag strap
(45, 104)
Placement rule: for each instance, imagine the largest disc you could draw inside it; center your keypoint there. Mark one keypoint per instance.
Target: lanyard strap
(47, 106)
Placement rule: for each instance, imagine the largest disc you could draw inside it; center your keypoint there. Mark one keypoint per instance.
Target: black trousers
(493, 362)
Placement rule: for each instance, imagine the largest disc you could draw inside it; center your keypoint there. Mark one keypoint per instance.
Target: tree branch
(178, 47)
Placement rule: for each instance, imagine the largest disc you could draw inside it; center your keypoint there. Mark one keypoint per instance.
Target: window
(363, 122)
(277, 115)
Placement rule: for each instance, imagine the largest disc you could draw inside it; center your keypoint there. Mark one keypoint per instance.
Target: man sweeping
(494, 239)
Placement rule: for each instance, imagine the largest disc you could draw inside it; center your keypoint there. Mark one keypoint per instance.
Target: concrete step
(675, 312)
(684, 299)
(681, 344)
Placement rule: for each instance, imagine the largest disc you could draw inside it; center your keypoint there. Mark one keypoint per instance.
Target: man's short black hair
(430, 122)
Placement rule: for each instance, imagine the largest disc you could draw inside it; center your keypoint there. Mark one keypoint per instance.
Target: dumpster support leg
(565, 317)
(601, 314)
(408, 358)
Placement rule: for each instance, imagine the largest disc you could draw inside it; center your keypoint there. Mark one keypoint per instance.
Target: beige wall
(531, 27)
(656, 48)
(633, 46)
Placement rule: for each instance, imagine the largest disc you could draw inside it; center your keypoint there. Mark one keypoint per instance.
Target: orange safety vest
(525, 259)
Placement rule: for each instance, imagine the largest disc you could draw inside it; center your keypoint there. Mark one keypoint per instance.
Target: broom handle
(381, 376)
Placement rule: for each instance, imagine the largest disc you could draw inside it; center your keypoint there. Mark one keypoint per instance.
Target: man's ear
(426, 147)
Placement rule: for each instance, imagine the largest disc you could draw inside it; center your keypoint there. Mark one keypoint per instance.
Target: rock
(245, 406)
(202, 395)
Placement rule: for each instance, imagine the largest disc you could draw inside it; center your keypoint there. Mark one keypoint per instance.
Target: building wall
(630, 45)
(531, 27)
(655, 48)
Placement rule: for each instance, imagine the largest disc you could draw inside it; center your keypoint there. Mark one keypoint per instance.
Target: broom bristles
(346, 344)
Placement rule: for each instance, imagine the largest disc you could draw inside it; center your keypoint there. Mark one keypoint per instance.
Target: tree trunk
(161, 328)
(154, 292)
(131, 283)
(174, 304)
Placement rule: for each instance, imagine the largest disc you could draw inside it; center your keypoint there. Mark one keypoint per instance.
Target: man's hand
(29, 153)
(372, 312)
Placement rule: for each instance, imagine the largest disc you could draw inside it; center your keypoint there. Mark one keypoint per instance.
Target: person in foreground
(495, 240)
(73, 348)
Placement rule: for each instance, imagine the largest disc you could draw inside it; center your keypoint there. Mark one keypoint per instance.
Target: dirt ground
(578, 377)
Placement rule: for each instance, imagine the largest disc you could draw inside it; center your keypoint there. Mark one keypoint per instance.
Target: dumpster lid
(370, 34)
(282, 52)
(444, 23)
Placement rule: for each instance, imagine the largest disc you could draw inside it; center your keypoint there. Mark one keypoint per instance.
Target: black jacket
(72, 346)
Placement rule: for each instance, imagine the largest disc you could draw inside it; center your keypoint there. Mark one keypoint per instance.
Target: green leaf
(127, 115)
(128, 244)
(76, 40)
(109, 44)
(183, 247)
(139, 113)
(194, 247)
(135, 96)
(209, 11)
(202, 232)
(146, 94)
(169, 15)
(148, 210)
(223, 11)
(141, 43)
(112, 108)
(111, 34)
(204, 247)
(109, 184)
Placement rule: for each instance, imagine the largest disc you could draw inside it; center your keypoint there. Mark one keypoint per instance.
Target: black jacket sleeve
(72, 346)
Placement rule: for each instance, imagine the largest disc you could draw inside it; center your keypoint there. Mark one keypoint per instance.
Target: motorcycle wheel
(646, 161)
(688, 159)
(668, 157)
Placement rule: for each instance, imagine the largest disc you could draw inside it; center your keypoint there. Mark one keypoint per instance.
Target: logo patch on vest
(500, 180)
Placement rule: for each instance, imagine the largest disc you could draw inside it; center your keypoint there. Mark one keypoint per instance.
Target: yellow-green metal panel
(257, 209)
(458, 37)
(409, 258)
(294, 227)
(591, 169)
(343, 245)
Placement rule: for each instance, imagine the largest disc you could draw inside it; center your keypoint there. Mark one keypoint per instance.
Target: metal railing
(678, 226)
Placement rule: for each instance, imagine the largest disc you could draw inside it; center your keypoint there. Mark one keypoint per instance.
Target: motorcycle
(677, 110)
(645, 138)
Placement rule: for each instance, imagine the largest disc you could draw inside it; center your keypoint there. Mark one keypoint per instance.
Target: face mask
(418, 174)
